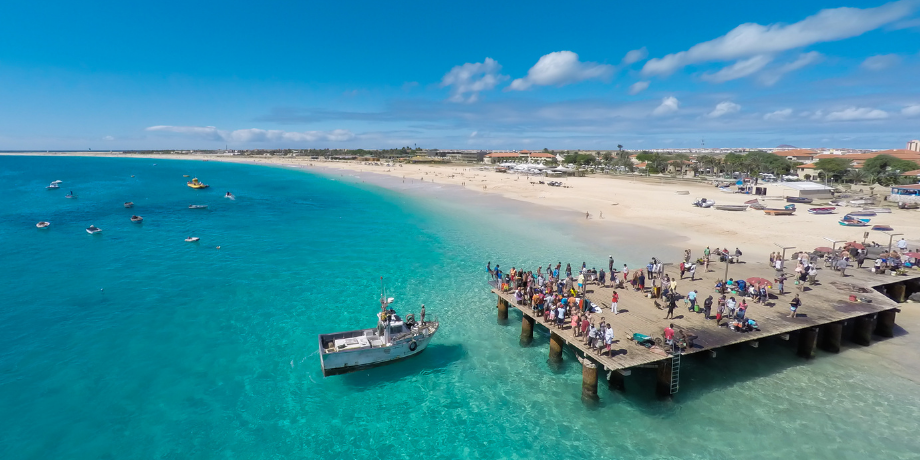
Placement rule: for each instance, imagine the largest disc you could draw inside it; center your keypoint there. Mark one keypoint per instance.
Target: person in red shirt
(669, 335)
(614, 301)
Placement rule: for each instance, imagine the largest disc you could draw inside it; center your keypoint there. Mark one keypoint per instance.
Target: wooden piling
(663, 384)
(885, 325)
(502, 309)
(588, 379)
(527, 330)
(808, 338)
(896, 292)
(830, 337)
(862, 330)
(555, 347)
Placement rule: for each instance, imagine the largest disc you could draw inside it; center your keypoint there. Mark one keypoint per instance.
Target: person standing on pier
(489, 269)
(614, 301)
(608, 338)
(720, 311)
(692, 272)
(602, 277)
(640, 284)
(683, 268)
(842, 265)
(610, 265)
(672, 304)
(691, 297)
(707, 307)
(794, 305)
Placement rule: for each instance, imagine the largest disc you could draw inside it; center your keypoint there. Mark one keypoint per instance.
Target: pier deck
(824, 303)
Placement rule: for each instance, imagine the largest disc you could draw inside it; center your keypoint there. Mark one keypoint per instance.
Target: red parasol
(913, 255)
(756, 280)
(824, 249)
(853, 244)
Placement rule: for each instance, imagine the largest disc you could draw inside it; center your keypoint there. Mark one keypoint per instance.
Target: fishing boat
(798, 199)
(882, 228)
(731, 207)
(393, 339)
(787, 210)
(137, 219)
(755, 204)
(682, 192)
(198, 206)
(43, 224)
(826, 210)
(52, 186)
(876, 210)
(129, 204)
(862, 213)
(849, 221)
(92, 230)
(860, 202)
(192, 239)
(196, 184)
(229, 196)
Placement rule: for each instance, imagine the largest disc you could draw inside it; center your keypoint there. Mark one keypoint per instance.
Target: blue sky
(348, 74)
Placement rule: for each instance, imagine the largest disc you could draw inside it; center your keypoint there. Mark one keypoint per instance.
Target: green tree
(606, 157)
(832, 167)
(886, 163)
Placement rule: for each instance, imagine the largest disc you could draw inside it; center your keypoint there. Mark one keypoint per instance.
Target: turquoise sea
(136, 344)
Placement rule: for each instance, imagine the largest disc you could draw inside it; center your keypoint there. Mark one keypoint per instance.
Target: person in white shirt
(902, 244)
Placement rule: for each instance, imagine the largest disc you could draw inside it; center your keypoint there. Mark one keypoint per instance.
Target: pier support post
(808, 338)
(588, 380)
(663, 384)
(555, 347)
(616, 381)
(862, 330)
(502, 309)
(896, 292)
(885, 324)
(830, 337)
(527, 330)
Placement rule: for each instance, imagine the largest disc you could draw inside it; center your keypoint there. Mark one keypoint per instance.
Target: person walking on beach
(692, 272)
(691, 297)
(672, 304)
(614, 302)
(794, 305)
(683, 268)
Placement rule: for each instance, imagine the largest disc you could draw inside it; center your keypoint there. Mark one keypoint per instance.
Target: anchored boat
(393, 339)
(92, 230)
(196, 184)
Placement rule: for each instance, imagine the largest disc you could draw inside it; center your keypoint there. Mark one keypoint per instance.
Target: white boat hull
(341, 362)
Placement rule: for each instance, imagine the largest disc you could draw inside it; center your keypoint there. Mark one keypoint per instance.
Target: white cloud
(880, 61)
(638, 87)
(854, 113)
(724, 108)
(472, 78)
(256, 135)
(911, 110)
(668, 105)
(561, 68)
(108, 138)
(779, 115)
(634, 56)
(771, 77)
(751, 39)
(739, 69)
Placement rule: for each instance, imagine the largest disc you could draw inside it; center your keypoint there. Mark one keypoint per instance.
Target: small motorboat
(703, 203)
(196, 184)
(53, 186)
(826, 210)
(798, 199)
(731, 207)
(57, 181)
(129, 204)
(882, 228)
(192, 239)
(92, 230)
(849, 221)
(198, 206)
(43, 224)
(862, 213)
(229, 196)
(137, 219)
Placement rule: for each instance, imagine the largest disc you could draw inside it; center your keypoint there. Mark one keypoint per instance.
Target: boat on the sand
(882, 228)
(393, 339)
(731, 207)
(825, 210)
(850, 221)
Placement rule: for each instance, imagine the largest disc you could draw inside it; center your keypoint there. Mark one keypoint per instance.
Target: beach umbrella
(912, 255)
(853, 244)
(756, 280)
(824, 249)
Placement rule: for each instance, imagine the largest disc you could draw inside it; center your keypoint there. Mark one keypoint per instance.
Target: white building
(914, 145)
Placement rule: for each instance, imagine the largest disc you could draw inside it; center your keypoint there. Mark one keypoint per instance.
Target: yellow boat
(194, 183)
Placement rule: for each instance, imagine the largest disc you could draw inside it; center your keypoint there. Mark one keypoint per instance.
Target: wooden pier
(825, 309)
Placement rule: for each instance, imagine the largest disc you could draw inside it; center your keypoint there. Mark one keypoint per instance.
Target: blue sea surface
(136, 344)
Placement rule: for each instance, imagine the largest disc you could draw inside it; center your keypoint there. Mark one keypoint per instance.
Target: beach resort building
(914, 146)
(857, 160)
(800, 155)
(523, 156)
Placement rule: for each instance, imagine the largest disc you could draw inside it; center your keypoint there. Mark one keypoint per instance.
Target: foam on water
(195, 352)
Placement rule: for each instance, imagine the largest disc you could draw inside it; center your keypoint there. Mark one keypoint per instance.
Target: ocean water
(136, 344)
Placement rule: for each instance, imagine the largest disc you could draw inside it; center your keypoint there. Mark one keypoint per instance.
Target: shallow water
(136, 344)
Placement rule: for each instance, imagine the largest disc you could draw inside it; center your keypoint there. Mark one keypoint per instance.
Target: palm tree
(855, 175)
